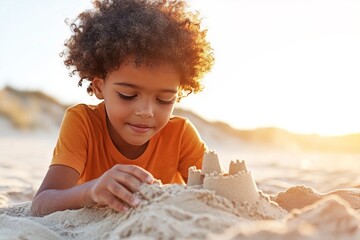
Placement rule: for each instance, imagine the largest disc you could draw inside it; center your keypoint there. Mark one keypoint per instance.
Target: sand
(281, 210)
(200, 211)
(180, 212)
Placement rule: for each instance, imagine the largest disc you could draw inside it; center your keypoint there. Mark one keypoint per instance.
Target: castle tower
(195, 177)
(211, 163)
(236, 167)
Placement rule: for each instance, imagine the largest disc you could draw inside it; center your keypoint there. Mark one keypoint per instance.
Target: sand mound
(298, 197)
(330, 218)
(167, 212)
(180, 212)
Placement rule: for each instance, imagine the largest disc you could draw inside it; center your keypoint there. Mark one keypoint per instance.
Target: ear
(97, 84)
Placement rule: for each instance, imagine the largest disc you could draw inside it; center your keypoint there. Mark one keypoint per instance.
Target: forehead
(144, 76)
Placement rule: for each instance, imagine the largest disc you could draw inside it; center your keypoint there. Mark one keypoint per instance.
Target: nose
(144, 110)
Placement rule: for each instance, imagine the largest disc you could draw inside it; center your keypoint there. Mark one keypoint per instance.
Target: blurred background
(280, 63)
(283, 93)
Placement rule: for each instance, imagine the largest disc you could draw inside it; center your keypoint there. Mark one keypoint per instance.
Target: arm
(114, 189)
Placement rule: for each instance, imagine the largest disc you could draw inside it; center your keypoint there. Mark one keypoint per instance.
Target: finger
(124, 194)
(136, 171)
(106, 198)
(131, 182)
(117, 205)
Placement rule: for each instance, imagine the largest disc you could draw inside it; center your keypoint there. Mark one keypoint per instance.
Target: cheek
(164, 114)
(118, 111)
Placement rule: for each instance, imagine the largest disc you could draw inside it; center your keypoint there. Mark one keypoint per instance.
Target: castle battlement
(237, 185)
(237, 166)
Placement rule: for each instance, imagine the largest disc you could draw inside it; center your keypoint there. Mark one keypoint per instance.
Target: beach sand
(304, 199)
(179, 212)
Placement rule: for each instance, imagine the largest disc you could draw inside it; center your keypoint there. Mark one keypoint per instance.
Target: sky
(293, 64)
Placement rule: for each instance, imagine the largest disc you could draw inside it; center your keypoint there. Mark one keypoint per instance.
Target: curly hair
(153, 31)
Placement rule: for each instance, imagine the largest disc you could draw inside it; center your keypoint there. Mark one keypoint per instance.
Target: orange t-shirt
(84, 144)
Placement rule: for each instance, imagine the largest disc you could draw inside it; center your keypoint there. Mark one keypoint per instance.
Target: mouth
(139, 128)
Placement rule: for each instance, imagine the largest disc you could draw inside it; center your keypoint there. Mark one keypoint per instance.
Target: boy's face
(138, 100)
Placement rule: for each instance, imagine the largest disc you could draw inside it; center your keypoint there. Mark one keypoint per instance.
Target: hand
(116, 186)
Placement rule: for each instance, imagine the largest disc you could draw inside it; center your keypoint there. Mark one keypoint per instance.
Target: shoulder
(85, 110)
(178, 121)
(84, 114)
(81, 108)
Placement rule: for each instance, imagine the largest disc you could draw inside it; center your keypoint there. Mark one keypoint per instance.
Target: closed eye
(161, 101)
(126, 97)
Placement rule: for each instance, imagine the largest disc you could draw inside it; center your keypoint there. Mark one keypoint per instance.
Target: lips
(139, 128)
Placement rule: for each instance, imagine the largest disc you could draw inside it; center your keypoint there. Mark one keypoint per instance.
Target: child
(140, 56)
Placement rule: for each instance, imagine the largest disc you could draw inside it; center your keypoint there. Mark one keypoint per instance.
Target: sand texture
(215, 205)
(180, 212)
(273, 198)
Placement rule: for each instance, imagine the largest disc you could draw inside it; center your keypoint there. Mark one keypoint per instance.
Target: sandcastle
(238, 184)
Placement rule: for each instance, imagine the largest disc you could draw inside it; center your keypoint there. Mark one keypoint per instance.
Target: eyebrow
(130, 85)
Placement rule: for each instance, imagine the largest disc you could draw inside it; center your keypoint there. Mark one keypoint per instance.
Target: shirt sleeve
(71, 147)
(192, 149)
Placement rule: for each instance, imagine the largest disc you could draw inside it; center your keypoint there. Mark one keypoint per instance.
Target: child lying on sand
(140, 58)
